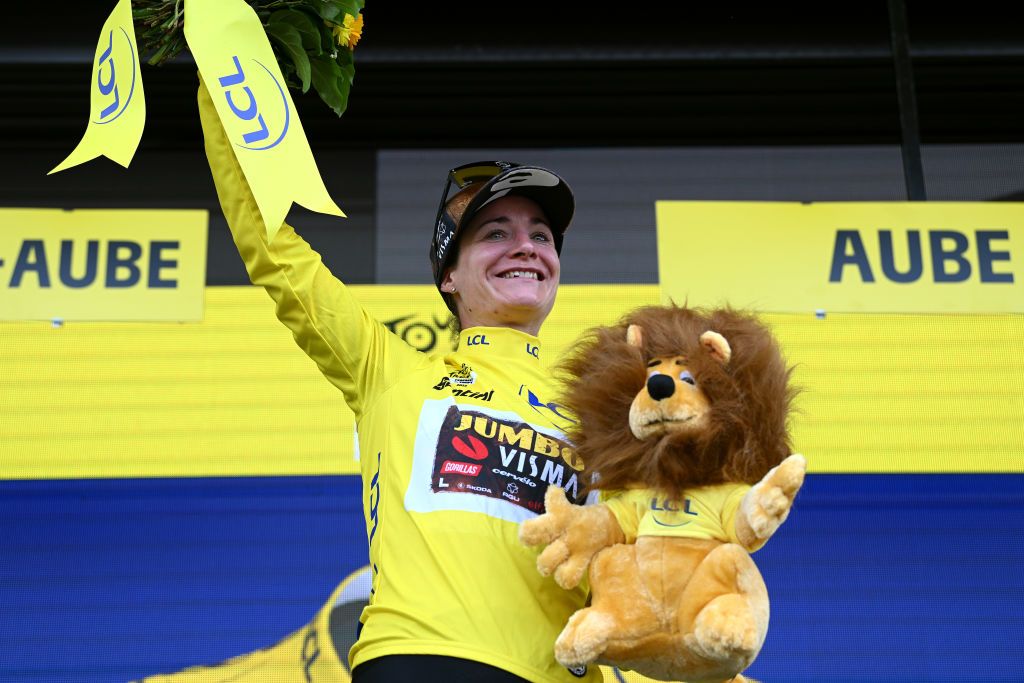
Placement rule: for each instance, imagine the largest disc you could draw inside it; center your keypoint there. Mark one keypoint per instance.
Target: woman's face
(507, 270)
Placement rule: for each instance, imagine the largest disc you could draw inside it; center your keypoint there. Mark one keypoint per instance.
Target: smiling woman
(457, 448)
(507, 269)
(497, 243)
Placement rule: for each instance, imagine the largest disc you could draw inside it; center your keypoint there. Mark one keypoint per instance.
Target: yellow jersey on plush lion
(682, 424)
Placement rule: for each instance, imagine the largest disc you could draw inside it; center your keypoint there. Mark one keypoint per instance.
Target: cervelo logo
(236, 86)
(109, 78)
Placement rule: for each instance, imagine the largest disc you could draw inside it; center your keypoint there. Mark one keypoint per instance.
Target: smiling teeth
(521, 273)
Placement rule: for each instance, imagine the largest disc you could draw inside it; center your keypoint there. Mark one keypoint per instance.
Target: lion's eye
(652, 363)
(688, 378)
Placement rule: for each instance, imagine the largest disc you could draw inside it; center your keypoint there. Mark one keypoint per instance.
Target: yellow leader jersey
(455, 450)
(707, 512)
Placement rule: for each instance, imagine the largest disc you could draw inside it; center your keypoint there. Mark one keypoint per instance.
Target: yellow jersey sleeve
(345, 341)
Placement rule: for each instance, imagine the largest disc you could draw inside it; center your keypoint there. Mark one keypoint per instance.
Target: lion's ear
(635, 336)
(717, 346)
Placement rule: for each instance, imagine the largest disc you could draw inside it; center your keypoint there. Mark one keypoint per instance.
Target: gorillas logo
(112, 87)
(237, 87)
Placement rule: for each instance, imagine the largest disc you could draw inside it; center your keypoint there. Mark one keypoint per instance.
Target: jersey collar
(503, 342)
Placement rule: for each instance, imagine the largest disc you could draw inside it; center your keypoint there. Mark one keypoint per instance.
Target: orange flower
(349, 31)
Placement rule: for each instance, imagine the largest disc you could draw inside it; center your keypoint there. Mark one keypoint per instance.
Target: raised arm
(346, 343)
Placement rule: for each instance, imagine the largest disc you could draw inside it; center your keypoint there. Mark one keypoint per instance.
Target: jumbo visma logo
(240, 87)
(116, 73)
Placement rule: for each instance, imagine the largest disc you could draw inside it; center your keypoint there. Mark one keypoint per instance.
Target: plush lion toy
(682, 424)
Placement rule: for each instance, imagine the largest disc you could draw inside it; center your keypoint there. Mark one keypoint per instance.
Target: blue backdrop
(872, 578)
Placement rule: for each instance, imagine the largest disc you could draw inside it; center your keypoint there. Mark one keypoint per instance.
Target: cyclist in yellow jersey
(456, 448)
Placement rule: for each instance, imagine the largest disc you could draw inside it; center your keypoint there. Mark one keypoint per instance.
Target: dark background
(569, 74)
(562, 75)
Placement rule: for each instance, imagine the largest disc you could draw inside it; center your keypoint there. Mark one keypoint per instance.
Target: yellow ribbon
(117, 105)
(235, 59)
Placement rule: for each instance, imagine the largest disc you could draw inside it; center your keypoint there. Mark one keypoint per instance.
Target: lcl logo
(236, 86)
(106, 78)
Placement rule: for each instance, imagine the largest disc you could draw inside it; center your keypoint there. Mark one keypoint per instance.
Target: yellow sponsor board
(233, 395)
(872, 257)
(102, 264)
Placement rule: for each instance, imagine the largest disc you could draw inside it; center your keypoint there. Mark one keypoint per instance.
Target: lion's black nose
(660, 386)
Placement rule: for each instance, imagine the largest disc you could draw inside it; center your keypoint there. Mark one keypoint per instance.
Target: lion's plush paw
(584, 638)
(727, 630)
(767, 504)
(573, 535)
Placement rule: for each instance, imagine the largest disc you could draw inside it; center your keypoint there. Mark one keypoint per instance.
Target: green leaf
(308, 31)
(329, 10)
(331, 83)
(327, 38)
(287, 36)
(346, 66)
(288, 71)
(327, 42)
(349, 6)
(335, 10)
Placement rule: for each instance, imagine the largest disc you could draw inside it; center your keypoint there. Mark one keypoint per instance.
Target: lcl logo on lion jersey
(488, 461)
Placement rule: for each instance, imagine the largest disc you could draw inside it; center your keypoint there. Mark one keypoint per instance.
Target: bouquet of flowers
(313, 40)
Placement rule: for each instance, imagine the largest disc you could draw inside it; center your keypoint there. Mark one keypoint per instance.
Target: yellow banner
(102, 264)
(234, 395)
(117, 104)
(237, 64)
(872, 257)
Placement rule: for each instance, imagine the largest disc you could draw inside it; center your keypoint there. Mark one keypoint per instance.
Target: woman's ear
(447, 284)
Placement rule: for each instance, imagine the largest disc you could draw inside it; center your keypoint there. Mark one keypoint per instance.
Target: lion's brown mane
(750, 401)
